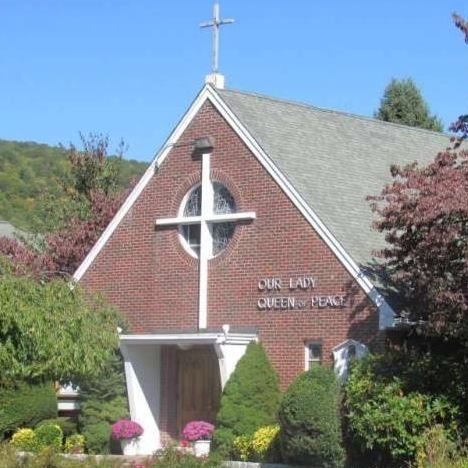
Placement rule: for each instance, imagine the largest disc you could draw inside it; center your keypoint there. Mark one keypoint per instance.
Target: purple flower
(126, 429)
(198, 430)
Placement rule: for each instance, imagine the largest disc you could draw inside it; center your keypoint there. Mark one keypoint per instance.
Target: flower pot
(129, 446)
(201, 448)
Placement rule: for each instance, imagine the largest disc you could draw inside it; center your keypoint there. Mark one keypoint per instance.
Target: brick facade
(151, 278)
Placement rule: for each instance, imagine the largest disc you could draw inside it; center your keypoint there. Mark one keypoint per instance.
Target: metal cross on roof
(215, 23)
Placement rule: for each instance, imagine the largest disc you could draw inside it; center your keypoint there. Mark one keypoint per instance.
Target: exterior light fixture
(203, 144)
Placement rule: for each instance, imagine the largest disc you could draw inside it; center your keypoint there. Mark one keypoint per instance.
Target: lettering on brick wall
(280, 294)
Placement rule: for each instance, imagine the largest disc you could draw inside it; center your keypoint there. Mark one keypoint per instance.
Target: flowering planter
(201, 448)
(128, 432)
(199, 434)
(129, 446)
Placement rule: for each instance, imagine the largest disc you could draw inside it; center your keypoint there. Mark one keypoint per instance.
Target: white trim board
(188, 338)
(386, 313)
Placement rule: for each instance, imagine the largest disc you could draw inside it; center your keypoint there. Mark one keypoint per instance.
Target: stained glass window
(222, 233)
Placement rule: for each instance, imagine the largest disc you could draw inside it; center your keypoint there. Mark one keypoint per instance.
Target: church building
(251, 224)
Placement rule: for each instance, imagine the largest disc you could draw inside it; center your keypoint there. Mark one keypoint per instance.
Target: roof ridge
(332, 111)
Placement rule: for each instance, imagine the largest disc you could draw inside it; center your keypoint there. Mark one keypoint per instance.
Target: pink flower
(198, 430)
(126, 429)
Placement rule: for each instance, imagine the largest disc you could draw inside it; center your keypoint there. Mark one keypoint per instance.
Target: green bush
(24, 440)
(49, 435)
(262, 446)
(68, 425)
(25, 405)
(265, 444)
(74, 444)
(48, 458)
(103, 402)
(250, 399)
(386, 421)
(310, 420)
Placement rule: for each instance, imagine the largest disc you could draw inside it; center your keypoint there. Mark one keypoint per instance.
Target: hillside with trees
(30, 171)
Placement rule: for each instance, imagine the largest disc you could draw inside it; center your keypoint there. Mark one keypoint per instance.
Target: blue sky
(130, 68)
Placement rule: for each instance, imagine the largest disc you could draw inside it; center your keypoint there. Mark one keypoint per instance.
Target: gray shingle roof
(334, 159)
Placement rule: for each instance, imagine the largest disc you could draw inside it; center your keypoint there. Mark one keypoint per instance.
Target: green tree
(250, 398)
(403, 103)
(50, 332)
(310, 422)
(24, 405)
(103, 402)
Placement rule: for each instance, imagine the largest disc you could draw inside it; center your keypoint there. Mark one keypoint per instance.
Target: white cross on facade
(215, 23)
(205, 220)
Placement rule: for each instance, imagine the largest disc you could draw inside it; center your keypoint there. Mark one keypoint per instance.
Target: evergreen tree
(250, 399)
(103, 402)
(403, 103)
(310, 423)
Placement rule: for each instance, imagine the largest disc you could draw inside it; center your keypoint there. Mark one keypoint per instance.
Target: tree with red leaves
(89, 204)
(424, 215)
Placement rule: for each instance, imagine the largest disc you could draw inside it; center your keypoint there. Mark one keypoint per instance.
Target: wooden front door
(199, 386)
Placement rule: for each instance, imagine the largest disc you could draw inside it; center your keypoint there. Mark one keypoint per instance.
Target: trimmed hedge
(250, 399)
(25, 405)
(68, 425)
(310, 420)
(49, 435)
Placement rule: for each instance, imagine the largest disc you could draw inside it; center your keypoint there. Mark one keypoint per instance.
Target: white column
(228, 357)
(206, 243)
(142, 374)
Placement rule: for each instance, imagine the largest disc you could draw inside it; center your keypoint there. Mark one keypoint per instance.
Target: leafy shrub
(173, 458)
(25, 405)
(265, 444)
(74, 444)
(386, 422)
(262, 446)
(49, 435)
(68, 425)
(310, 421)
(242, 448)
(98, 436)
(24, 440)
(250, 399)
(48, 458)
(103, 401)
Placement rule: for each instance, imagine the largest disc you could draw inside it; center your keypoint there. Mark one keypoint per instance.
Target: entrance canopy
(155, 375)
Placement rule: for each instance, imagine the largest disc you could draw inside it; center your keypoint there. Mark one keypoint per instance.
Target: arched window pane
(223, 200)
(223, 203)
(193, 205)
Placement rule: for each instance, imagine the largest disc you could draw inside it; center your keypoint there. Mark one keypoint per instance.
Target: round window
(221, 232)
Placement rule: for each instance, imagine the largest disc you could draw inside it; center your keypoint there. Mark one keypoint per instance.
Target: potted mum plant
(127, 432)
(199, 433)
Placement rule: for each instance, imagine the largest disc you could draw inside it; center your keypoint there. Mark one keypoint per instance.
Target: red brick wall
(149, 276)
